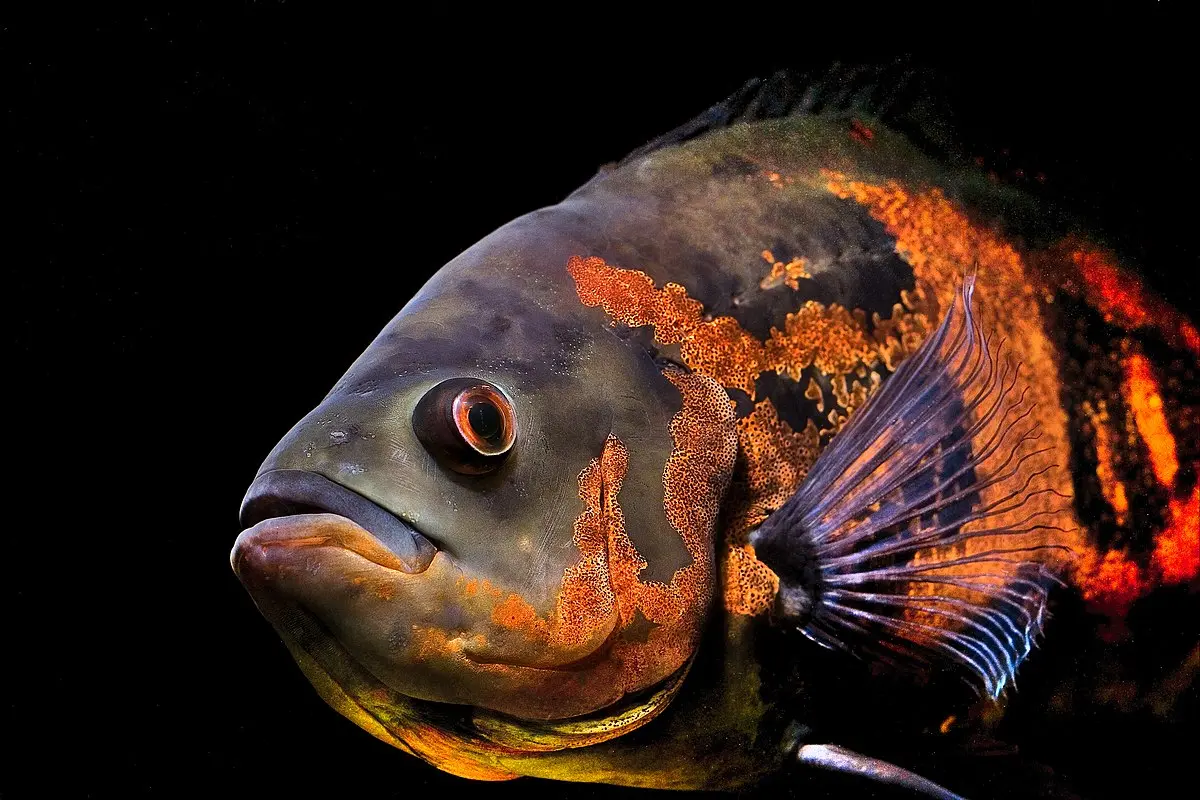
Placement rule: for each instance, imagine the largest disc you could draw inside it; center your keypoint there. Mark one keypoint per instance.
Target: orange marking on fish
(705, 447)
(899, 336)
(1177, 547)
(704, 450)
(777, 180)
(723, 350)
(1120, 295)
(1111, 581)
(514, 612)
(813, 392)
(940, 243)
(1111, 486)
(1142, 394)
(718, 347)
(587, 600)
(788, 274)
(830, 338)
(860, 132)
(851, 395)
(775, 461)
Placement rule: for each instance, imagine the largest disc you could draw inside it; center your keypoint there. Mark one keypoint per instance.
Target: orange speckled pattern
(830, 338)
(775, 460)
(607, 576)
(694, 483)
(782, 274)
(719, 348)
(588, 597)
(774, 457)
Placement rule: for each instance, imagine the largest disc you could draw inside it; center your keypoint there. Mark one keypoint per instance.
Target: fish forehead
(503, 311)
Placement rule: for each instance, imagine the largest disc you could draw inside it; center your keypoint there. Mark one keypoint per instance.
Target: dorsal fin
(899, 94)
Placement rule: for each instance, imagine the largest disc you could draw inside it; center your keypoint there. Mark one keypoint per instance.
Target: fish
(792, 426)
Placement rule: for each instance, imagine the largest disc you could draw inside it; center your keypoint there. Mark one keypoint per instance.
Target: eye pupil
(485, 419)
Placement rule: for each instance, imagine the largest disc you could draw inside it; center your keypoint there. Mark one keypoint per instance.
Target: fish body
(678, 343)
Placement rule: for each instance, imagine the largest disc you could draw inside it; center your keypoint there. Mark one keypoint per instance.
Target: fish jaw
(435, 635)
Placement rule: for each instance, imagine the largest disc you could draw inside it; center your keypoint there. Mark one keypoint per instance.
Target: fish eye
(468, 424)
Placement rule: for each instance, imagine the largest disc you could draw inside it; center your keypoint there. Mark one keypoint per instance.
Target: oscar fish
(790, 409)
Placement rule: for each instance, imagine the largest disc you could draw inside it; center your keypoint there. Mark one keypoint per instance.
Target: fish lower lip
(288, 492)
(312, 530)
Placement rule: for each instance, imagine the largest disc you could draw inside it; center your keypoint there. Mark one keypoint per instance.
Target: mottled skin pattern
(700, 215)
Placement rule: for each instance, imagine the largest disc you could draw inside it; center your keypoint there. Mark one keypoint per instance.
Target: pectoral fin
(918, 536)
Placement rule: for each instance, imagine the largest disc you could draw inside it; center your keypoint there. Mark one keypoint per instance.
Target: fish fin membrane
(908, 98)
(910, 540)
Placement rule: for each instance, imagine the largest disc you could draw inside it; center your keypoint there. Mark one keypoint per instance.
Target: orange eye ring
(485, 420)
(467, 424)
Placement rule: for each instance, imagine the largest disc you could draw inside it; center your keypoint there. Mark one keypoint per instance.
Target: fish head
(481, 518)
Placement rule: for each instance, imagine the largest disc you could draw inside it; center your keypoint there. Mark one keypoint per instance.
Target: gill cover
(906, 541)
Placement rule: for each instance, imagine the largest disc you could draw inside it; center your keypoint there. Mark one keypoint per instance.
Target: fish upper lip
(288, 492)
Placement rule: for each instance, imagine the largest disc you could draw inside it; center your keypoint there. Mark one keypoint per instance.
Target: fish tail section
(923, 536)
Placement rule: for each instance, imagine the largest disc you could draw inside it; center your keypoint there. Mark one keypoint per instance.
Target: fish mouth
(376, 533)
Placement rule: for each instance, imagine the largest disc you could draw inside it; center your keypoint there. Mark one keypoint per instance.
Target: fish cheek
(440, 635)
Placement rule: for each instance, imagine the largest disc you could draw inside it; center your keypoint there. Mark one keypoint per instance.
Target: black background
(217, 211)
